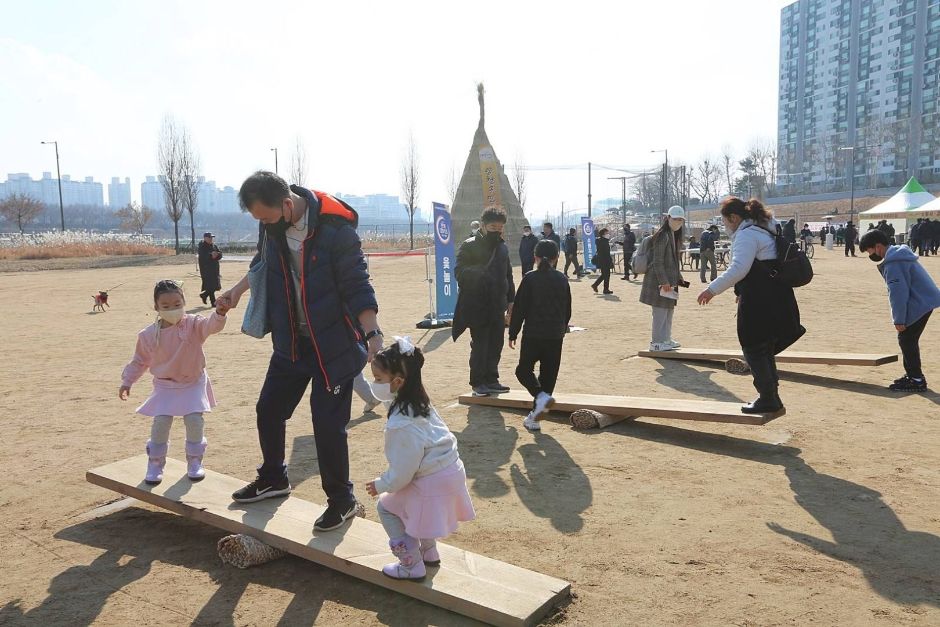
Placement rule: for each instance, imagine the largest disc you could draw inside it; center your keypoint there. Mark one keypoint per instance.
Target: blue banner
(444, 258)
(587, 242)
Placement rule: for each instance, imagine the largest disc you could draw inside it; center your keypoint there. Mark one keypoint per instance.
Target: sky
(605, 82)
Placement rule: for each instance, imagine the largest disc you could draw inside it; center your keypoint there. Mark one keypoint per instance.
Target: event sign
(446, 301)
(587, 242)
(489, 172)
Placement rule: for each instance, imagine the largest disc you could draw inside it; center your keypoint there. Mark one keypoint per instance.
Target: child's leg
(525, 371)
(909, 341)
(195, 445)
(160, 429)
(410, 564)
(393, 525)
(549, 363)
(157, 447)
(429, 554)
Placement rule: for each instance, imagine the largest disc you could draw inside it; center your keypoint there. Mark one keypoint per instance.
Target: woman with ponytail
(663, 278)
(543, 304)
(768, 316)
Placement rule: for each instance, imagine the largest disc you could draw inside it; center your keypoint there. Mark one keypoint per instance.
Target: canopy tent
(903, 205)
(483, 185)
(930, 210)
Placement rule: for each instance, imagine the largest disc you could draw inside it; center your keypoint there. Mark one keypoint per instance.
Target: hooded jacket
(484, 279)
(911, 291)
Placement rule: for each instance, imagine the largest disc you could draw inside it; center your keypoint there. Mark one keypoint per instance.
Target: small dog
(101, 299)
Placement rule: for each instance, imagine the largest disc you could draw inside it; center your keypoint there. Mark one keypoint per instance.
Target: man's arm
(352, 281)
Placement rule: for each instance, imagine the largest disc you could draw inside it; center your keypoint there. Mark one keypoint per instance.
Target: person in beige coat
(663, 278)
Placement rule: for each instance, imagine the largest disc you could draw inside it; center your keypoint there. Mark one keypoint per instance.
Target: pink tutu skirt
(432, 506)
(178, 399)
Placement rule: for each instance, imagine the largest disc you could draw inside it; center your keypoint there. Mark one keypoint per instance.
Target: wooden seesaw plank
(680, 409)
(473, 585)
(786, 357)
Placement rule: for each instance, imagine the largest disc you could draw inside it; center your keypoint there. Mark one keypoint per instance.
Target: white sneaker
(543, 402)
(656, 347)
(673, 343)
(531, 423)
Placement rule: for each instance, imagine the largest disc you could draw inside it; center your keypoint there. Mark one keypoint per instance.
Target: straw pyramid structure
(484, 184)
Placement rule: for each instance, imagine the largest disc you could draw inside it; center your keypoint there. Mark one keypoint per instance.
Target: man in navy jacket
(322, 313)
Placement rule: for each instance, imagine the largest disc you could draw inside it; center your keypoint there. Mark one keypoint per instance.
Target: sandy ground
(827, 516)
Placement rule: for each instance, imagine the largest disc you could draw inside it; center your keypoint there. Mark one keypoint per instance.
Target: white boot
(410, 564)
(156, 460)
(194, 453)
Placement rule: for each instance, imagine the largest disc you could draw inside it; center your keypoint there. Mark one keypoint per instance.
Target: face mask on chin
(171, 316)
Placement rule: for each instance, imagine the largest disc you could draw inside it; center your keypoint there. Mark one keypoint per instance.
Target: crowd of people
(311, 292)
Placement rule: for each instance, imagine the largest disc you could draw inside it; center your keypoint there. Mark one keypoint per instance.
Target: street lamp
(58, 173)
(275, 160)
(665, 177)
(852, 193)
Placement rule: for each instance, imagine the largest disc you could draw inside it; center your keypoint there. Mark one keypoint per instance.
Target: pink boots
(429, 553)
(156, 460)
(410, 564)
(194, 454)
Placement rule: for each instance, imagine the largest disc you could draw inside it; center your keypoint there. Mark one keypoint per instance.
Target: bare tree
(170, 163)
(646, 188)
(763, 154)
(519, 181)
(410, 185)
(189, 166)
(298, 163)
(705, 179)
(21, 209)
(729, 165)
(134, 217)
(453, 184)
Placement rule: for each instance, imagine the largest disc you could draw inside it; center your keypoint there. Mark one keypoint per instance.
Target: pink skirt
(178, 399)
(432, 506)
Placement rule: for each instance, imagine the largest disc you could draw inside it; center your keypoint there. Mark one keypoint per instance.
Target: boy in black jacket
(543, 303)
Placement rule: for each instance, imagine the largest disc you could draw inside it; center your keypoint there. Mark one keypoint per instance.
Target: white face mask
(675, 225)
(383, 391)
(171, 316)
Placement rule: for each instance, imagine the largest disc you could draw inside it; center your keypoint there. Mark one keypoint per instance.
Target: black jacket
(629, 241)
(554, 237)
(209, 267)
(484, 279)
(571, 244)
(708, 241)
(604, 260)
(789, 232)
(543, 303)
(527, 249)
(850, 235)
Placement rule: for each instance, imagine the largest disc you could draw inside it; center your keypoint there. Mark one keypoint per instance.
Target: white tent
(903, 205)
(930, 210)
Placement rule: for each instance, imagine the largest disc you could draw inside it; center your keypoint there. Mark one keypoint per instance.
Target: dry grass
(91, 249)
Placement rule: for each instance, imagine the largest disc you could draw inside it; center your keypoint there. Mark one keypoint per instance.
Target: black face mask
(876, 257)
(492, 238)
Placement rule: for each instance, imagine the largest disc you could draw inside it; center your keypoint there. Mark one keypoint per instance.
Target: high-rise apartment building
(863, 74)
(74, 193)
(119, 194)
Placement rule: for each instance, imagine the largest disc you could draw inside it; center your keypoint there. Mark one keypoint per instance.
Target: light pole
(663, 193)
(852, 185)
(58, 173)
(275, 159)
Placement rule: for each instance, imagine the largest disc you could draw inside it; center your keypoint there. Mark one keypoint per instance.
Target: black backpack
(792, 267)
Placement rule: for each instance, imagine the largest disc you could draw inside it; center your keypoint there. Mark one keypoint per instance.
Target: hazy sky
(566, 84)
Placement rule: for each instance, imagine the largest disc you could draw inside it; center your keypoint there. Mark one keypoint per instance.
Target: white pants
(662, 324)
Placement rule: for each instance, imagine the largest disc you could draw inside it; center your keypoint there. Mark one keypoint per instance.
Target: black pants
(527, 267)
(627, 262)
(284, 387)
(850, 248)
(760, 358)
(605, 277)
(545, 352)
(208, 294)
(909, 340)
(486, 348)
(572, 258)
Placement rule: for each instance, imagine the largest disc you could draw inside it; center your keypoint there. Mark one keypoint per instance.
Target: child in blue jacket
(913, 296)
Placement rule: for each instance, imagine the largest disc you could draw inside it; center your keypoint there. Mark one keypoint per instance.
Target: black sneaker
(763, 406)
(335, 516)
(261, 489)
(909, 384)
(903, 379)
(497, 387)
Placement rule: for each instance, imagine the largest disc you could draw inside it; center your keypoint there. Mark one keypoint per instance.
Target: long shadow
(899, 564)
(303, 463)
(438, 338)
(553, 486)
(78, 594)
(684, 378)
(486, 445)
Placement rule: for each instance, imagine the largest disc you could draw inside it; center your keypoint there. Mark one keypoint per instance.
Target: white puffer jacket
(748, 242)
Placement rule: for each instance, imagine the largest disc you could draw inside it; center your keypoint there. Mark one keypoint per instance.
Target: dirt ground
(829, 515)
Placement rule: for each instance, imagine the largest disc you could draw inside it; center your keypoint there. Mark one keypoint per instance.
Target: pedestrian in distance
(603, 260)
(663, 278)
(629, 247)
(527, 249)
(541, 311)
(209, 256)
(571, 253)
(423, 494)
(851, 237)
(768, 318)
(912, 295)
(707, 253)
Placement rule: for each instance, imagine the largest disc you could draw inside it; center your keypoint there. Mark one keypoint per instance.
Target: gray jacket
(662, 268)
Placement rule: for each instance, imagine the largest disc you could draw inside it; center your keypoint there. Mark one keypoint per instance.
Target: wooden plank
(679, 409)
(473, 585)
(786, 357)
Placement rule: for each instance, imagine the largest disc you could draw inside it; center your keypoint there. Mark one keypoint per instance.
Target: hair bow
(405, 345)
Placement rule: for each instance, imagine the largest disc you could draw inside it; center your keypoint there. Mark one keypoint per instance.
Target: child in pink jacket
(171, 348)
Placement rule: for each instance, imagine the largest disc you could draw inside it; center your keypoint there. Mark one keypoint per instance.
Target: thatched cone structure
(484, 184)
